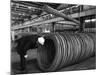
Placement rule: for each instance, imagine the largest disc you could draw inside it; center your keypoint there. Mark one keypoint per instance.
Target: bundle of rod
(89, 29)
(63, 49)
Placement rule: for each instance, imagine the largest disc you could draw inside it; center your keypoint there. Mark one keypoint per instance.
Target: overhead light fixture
(87, 20)
(93, 20)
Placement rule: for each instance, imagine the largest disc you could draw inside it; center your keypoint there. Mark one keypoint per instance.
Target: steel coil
(63, 49)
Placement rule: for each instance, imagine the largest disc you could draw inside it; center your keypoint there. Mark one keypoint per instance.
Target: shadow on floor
(32, 66)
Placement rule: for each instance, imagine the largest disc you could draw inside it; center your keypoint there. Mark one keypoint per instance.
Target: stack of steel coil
(63, 49)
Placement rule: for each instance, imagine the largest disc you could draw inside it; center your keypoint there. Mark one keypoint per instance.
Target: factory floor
(32, 66)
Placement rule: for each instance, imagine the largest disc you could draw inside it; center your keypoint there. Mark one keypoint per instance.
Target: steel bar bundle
(63, 49)
(89, 29)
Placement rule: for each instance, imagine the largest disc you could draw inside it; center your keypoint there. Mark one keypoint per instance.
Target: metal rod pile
(90, 30)
(63, 49)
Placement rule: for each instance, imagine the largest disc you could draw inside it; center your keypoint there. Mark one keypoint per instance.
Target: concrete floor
(32, 66)
(15, 57)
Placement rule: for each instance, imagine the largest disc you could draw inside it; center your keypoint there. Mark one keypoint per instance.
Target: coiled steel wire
(63, 49)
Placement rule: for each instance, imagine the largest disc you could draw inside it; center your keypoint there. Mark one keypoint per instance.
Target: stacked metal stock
(63, 49)
(90, 30)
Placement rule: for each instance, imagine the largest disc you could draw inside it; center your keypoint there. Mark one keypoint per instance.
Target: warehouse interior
(53, 20)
